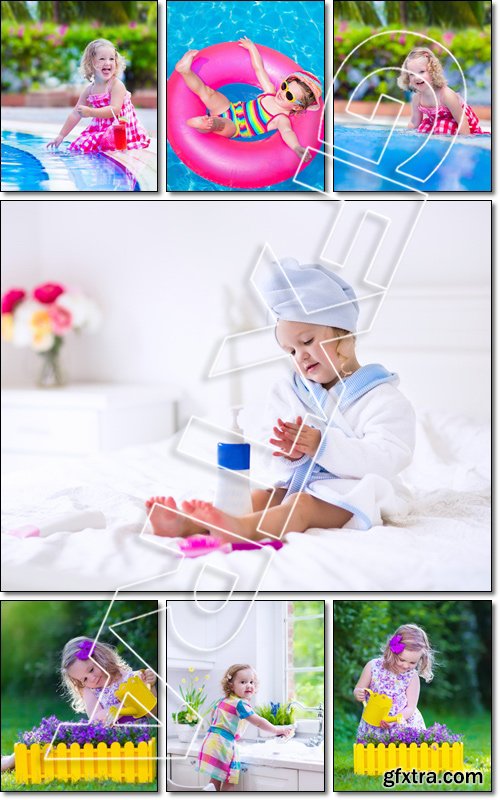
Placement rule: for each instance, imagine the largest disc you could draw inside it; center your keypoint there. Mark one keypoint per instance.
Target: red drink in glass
(120, 132)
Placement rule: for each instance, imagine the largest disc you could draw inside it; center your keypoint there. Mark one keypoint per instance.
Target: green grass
(476, 730)
(20, 714)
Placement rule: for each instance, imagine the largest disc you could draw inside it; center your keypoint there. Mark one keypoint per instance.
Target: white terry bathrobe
(368, 438)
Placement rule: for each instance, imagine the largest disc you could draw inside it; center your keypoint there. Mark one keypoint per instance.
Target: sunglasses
(288, 94)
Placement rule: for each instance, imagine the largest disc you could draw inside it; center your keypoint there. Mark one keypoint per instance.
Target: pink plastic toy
(240, 164)
(200, 545)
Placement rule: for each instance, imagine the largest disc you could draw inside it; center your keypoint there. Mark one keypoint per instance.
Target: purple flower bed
(92, 733)
(401, 734)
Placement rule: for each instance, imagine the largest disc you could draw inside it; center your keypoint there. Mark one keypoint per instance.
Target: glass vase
(51, 374)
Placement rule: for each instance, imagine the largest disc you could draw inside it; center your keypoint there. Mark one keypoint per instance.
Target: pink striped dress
(445, 121)
(99, 136)
(219, 755)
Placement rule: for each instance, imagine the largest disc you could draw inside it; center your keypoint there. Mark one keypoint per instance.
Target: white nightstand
(82, 419)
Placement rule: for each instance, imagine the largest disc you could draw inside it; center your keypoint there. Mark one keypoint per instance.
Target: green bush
(46, 55)
(471, 47)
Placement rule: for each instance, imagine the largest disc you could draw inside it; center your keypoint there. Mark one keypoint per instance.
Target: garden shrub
(46, 55)
(471, 48)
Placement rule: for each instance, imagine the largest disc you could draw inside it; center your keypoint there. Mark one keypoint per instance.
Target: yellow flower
(190, 669)
(41, 322)
(183, 680)
(207, 677)
(196, 679)
(7, 327)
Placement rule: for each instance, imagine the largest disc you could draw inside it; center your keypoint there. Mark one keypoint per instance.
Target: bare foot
(8, 762)
(217, 522)
(184, 65)
(164, 520)
(207, 124)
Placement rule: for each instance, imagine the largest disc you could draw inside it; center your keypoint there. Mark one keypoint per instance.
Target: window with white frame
(305, 657)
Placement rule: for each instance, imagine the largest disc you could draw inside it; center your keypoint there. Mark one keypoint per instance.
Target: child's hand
(360, 694)
(85, 111)
(386, 725)
(284, 730)
(283, 442)
(299, 151)
(55, 142)
(148, 676)
(247, 43)
(305, 443)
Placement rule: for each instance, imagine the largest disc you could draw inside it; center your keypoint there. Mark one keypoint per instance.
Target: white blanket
(443, 545)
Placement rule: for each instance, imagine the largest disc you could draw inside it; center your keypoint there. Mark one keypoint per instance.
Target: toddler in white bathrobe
(342, 432)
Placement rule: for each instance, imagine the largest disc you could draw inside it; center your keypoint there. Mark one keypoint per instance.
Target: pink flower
(47, 292)
(132, 24)
(11, 299)
(448, 37)
(402, 40)
(343, 26)
(62, 29)
(61, 320)
(20, 32)
(339, 38)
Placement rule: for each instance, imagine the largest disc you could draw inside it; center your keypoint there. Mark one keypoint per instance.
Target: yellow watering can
(377, 709)
(139, 699)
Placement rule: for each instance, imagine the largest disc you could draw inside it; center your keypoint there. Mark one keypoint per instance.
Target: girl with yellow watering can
(389, 686)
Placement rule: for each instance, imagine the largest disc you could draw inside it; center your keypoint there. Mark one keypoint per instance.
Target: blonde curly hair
(230, 674)
(414, 639)
(105, 657)
(89, 54)
(433, 64)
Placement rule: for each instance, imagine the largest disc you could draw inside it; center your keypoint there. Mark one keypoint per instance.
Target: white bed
(443, 545)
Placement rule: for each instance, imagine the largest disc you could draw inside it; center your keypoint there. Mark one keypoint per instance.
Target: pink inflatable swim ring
(251, 164)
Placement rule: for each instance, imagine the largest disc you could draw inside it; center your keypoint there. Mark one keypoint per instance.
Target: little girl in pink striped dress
(219, 754)
(105, 100)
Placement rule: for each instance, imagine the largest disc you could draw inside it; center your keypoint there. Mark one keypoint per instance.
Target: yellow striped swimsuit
(250, 117)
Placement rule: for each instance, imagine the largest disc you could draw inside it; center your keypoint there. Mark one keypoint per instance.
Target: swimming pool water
(28, 166)
(292, 27)
(467, 167)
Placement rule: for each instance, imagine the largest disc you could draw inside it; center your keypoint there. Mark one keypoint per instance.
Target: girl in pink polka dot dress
(104, 100)
(406, 658)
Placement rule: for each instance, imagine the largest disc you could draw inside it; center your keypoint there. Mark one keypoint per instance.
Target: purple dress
(107, 697)
(383, 681)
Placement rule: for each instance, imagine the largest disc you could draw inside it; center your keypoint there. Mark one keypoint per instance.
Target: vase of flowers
(42, 319)
(275, 713)
(190, 714)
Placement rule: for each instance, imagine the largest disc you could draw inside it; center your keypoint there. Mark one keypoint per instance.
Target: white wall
(159, 272)
(241, 632)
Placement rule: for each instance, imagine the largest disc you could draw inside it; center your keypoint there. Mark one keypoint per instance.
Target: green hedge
(45, 55)
(470, 47)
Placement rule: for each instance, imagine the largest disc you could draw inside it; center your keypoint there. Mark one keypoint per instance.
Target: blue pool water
(292, 27)
(467, 167)
(27, 166)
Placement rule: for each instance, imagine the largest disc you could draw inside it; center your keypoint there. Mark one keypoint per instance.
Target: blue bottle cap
(233, 456)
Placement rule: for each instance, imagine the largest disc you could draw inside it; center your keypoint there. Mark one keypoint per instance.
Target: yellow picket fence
(128, 763)
(376, 759)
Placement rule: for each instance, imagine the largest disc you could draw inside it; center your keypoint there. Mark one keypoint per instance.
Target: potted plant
(275, 713)
(194, 696)
(435, 748)
(72, 751)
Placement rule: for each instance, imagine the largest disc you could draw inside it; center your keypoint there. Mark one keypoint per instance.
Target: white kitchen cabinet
(310, 781)
(42, 425)
(268, 779)
(183, 775)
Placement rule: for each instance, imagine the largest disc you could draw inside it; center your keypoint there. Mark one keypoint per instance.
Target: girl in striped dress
(219, 754)
(435, 108)
(268, 112)
(104, 100)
